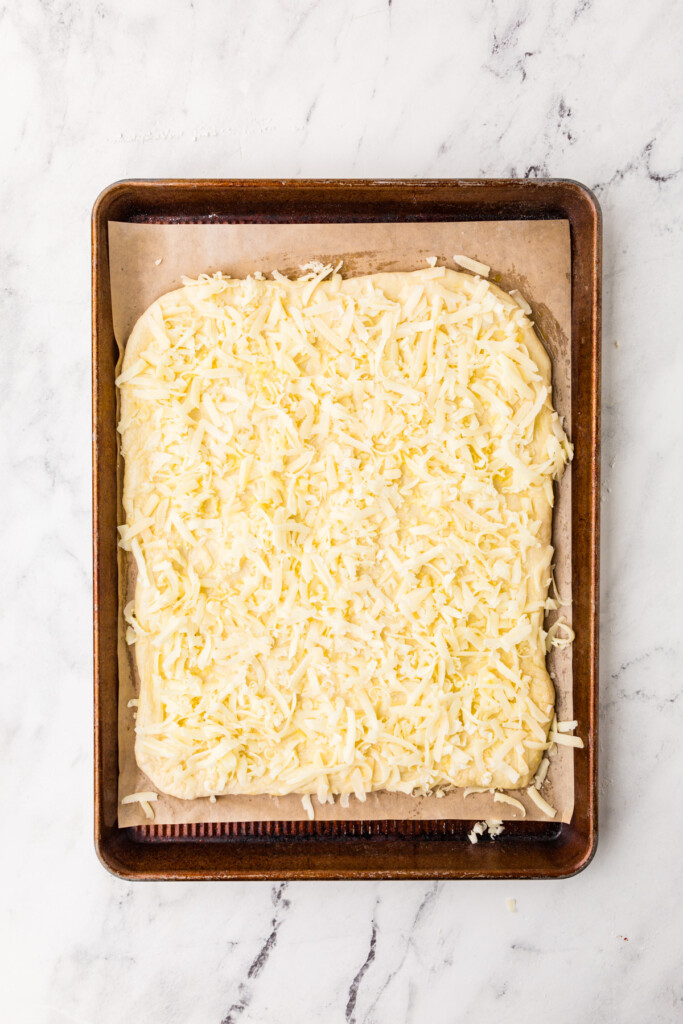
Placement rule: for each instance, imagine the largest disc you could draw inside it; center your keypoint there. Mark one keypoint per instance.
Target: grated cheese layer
(338, 498)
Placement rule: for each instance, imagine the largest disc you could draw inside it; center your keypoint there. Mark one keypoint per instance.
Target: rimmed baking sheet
(399, 849)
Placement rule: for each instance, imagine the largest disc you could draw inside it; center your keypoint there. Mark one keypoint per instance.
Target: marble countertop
(98, 91)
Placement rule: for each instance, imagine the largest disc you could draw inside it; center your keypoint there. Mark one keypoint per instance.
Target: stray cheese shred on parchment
(144, 799)
(338, 498)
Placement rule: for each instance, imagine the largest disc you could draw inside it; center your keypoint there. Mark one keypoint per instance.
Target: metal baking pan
(351, 850)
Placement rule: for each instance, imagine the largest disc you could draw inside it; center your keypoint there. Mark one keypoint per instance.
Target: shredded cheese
(338, 496)
(563, 740)
(145, 800)
(478, 829)
(494, 828)
(557, 600)
(542, 804)
(308, 806)
(469, 264)
(505, 798)
(540, 776)
(552, 637)
(521, 301)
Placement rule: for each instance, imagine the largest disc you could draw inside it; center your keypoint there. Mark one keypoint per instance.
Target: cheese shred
(144, 799)
(542, 804)
(504, 798)
(469, 264)
(337, 499)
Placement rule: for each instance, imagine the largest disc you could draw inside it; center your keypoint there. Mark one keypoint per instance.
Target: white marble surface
(93, 92)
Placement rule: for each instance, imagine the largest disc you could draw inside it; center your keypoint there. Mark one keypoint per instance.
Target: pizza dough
(338, 496)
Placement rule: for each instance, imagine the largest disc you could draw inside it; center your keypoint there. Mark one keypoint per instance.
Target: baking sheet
(147, 260)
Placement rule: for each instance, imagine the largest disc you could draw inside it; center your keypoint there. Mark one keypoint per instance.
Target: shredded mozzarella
(504, 798)
(308, 806)
(478, 830)
(563, 740)
(540, 776)
(495, 828)
(542, 804)
(136, 798)
(145, 800)
(521, 301)
(552, 637)
(337, 495)
(481, 828)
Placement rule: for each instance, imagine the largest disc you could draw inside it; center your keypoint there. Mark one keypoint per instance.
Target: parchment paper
(147, 260)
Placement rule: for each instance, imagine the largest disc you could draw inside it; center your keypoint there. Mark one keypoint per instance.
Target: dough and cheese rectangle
(338, 493)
